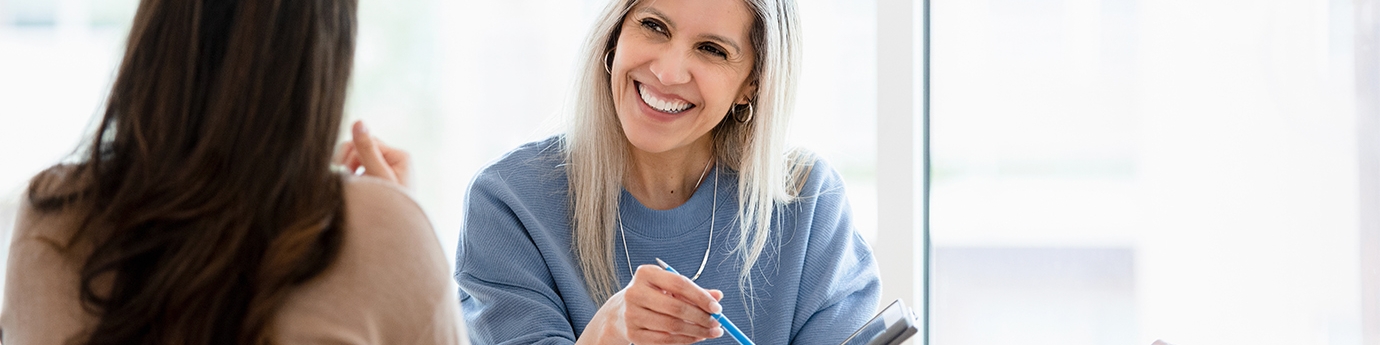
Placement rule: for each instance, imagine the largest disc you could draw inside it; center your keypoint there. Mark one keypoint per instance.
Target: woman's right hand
(378, 159)
(657, 307)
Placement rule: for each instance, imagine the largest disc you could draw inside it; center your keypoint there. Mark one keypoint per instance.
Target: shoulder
(47, 209)
(813, 177)
(376, 199)
(534, 157)
(820, 206)
(377, 209)
(380, 217)
(391, 269)
(58, 180)
(534, 168)
(42, 303)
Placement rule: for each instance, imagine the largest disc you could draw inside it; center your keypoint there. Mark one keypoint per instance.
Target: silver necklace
(712, 209)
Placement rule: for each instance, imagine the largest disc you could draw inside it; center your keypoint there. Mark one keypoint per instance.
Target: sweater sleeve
(506, 289)
(840, 286)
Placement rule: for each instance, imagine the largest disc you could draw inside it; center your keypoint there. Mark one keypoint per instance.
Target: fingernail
(716, 308)
(717, 332)
(362, 129)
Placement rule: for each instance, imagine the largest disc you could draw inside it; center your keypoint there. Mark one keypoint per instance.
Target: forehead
(728, 18)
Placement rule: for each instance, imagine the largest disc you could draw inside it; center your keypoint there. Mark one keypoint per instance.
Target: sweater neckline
(690, 218)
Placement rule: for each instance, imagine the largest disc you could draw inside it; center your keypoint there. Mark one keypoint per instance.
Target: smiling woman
(672, 95)
(673, 83)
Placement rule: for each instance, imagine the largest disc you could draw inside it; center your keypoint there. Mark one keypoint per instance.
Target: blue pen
(723, 321)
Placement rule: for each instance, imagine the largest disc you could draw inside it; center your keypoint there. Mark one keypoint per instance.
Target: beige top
(390, 285)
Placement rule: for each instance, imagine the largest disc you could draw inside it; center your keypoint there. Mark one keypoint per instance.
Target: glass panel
(836, 108)
(28, 12)
(113, 13)
(1121, 171)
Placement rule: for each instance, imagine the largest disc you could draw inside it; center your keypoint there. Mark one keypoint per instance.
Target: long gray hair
(597, 150)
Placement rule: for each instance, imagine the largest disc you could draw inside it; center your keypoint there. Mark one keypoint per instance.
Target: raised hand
(377, 159)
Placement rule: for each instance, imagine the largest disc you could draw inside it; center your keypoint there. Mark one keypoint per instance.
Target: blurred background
(1120, 171)
(1104, 171)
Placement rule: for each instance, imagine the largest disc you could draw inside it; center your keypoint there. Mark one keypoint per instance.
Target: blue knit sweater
(520, 282)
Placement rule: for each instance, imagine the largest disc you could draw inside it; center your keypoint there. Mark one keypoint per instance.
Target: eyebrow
(672, 24)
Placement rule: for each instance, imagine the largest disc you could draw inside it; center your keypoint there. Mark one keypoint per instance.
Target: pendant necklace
(714, 206)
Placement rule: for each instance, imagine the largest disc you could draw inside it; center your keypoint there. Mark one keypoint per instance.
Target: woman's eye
(714, 50)
(654, 26)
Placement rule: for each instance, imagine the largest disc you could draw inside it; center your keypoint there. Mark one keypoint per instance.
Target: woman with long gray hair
(676, 152)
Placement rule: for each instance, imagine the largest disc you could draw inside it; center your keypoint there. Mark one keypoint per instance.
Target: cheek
(627, 55)
(720, 93)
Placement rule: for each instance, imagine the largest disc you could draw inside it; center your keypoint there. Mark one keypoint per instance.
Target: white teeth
(664, 106)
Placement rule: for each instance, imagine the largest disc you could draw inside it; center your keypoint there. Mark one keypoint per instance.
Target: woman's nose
(671, 68)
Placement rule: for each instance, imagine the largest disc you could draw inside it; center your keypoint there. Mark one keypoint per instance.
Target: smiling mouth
(665, 106)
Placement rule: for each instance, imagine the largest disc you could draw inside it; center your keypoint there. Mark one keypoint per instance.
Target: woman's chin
(649, 137)
(651, 145)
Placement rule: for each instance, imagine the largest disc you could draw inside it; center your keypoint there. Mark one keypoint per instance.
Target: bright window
(1121, 171)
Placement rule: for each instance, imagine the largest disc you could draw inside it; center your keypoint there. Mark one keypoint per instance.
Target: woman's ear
(748, 94)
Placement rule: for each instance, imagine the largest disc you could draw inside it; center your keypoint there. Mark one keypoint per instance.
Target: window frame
(903, 156)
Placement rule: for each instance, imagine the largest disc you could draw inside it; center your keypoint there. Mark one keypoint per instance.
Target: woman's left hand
(379, 160)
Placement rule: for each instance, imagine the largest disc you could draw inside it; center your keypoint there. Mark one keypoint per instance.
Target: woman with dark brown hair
(205, 209)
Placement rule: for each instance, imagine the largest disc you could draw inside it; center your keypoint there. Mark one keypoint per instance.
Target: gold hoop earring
(737, 115)
(608, 62)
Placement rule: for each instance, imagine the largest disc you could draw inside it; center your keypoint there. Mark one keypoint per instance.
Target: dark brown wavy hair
(207, 189)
